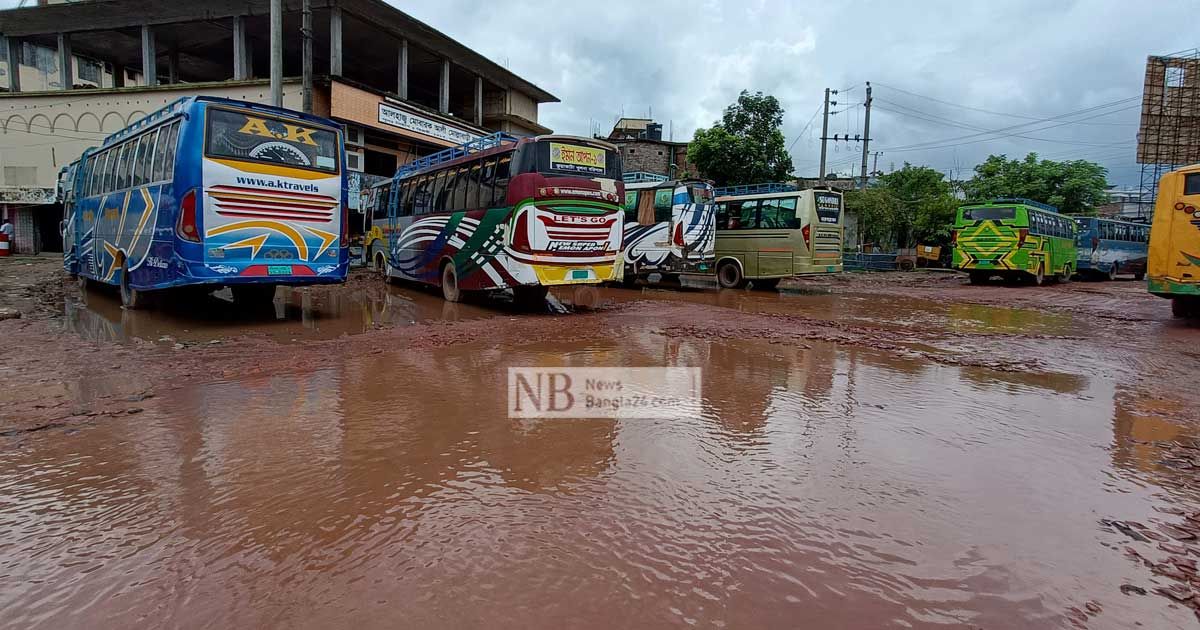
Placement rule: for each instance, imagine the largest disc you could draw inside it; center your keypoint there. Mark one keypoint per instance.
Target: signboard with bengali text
(576, 159)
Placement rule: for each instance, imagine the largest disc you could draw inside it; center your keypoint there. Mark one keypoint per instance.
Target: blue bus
(209, 193)
(1107, 247)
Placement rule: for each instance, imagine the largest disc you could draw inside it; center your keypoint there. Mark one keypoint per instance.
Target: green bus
(766, 237)
(1016, 239)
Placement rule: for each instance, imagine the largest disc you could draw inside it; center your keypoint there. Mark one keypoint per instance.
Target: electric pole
(307, 72)
(866, 136)
(875, 166)
(825, 134)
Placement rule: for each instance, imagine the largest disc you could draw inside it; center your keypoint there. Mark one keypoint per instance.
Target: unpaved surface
(887, 450)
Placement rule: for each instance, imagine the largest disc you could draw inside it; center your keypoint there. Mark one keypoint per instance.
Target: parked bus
(1107, 247)
(670, 228)
(1174, 260)
(763, 238)
(501, 212)
(1014, 238)
(209, 192)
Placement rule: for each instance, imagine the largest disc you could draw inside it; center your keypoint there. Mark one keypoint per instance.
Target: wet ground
(884, 451)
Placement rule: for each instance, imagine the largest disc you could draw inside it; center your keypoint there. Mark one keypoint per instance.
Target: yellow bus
(1174, 262)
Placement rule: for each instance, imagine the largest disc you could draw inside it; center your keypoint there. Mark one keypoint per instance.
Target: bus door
(777, 253)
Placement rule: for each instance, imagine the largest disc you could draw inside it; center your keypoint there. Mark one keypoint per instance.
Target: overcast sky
(687, 60)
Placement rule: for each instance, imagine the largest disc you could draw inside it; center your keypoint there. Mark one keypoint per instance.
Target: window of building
(1174, 77)
(90, 70)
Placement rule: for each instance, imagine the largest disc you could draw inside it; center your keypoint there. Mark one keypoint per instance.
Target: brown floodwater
(821, 486)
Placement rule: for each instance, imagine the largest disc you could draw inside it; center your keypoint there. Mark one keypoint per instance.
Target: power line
(946, 121)
(978, 109)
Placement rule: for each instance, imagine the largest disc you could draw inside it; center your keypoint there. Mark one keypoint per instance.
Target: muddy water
(827, 487)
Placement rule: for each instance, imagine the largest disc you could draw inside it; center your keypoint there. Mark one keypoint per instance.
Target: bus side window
(503, 171)
(172, 146)
(459, 201)
(424, 195)
(630, 206)
(472, 200)
(438, 200)
(487, 182)
(722, 216)
(662, 204)
(139, 161)
(743, 215)
(148, 162)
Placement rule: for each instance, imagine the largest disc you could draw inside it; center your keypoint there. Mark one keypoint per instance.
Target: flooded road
(871, 480)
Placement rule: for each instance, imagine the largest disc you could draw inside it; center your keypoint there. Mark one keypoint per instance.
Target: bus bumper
(558, 275)
(293, 273)
(1167, 288)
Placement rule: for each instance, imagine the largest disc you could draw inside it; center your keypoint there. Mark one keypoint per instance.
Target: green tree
(746, 146)
(914, 205)
(1074, 186)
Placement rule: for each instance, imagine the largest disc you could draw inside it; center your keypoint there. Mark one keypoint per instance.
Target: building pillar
(402, 79)
(444, 88)
(478, 101)
(149, 56)
(241, 65)
(277, 53)
(66, 66)
(12, 48)
(173, 66)
(335, 41)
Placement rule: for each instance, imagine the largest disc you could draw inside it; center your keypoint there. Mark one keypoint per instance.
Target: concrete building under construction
(73, 72)
(1169, 133)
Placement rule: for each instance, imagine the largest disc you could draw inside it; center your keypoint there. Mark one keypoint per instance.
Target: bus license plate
(580, 274)
(279, 270)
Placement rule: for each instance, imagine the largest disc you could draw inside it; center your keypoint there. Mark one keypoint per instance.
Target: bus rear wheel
(1039, 278)
(450, 290)
(729, 276)
(132, 299)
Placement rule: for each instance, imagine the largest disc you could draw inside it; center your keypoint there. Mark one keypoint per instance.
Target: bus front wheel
(450, 290)
(729, 276)
(1112, 272)
(1065, 276)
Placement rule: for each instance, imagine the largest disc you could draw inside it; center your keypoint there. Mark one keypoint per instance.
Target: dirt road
(892, 450)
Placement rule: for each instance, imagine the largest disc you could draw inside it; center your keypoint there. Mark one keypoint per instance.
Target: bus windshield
(702, 194)
(990, 213)
(253, 138)
(563, 157)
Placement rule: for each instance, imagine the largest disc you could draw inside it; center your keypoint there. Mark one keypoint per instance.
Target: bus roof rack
(755, 189)
(445, 155)
(173, 107)
(1027, 202)
(638, 177)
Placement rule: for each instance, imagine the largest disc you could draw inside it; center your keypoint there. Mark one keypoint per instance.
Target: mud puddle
(824, 486)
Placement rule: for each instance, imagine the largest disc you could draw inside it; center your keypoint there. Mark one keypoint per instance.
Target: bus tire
(978, 277)
(1182, 308)
(132, 299)
(379, 261)
(729, 276)
(766, 284)
(1039, 277)
(1112, 272)
(450, 290)
(1065, 276)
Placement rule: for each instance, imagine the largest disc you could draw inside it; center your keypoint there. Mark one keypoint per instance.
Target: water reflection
(823, 486)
